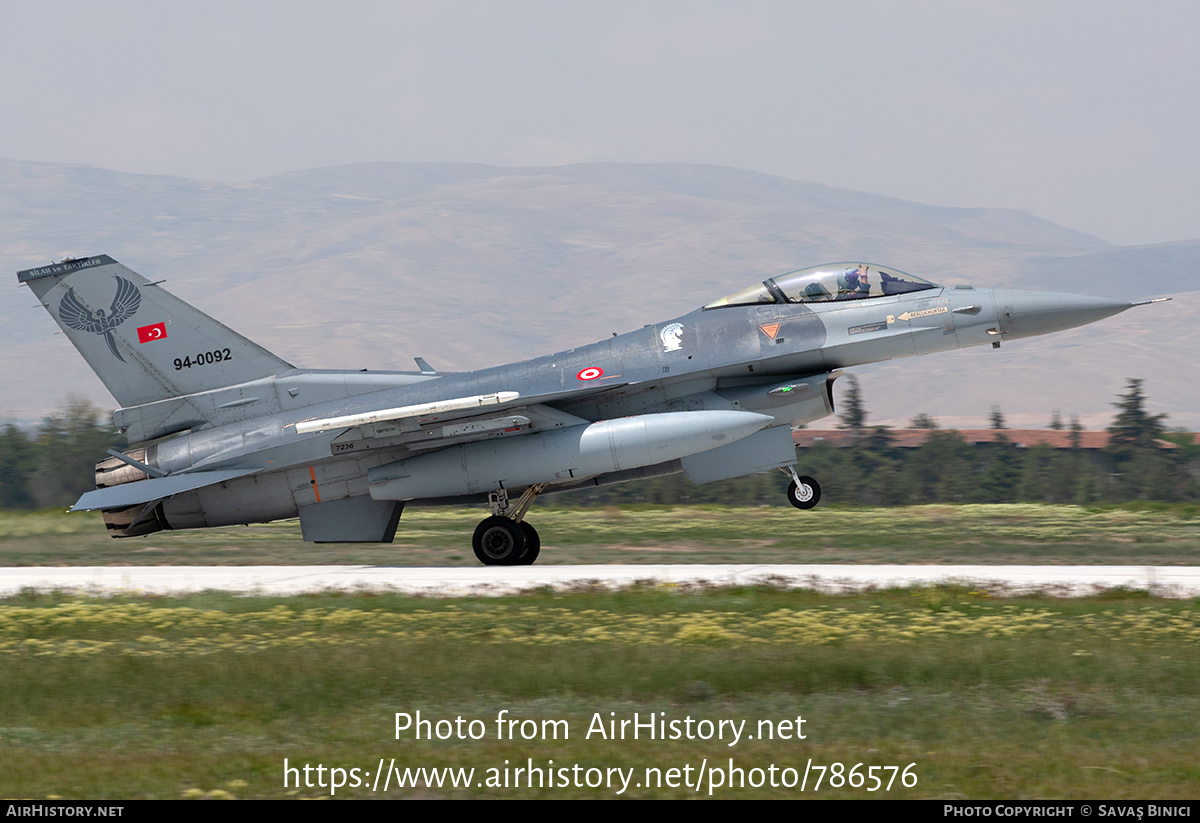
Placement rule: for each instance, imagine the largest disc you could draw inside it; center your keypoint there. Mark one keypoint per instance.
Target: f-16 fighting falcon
(233, 434)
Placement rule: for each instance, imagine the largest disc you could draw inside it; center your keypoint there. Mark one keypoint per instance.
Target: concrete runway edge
(1168, 581)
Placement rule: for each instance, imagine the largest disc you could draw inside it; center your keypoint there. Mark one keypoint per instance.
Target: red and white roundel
(591, 373)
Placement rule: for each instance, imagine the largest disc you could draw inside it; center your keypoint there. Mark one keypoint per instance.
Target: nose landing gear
(505, 539)
(803, 492)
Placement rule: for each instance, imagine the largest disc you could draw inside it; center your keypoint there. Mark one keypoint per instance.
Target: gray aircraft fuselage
(713, 394)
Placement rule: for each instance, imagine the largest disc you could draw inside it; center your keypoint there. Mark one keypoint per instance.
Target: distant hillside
(366, 266)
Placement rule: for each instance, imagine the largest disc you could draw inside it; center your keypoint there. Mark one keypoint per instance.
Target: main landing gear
(505, 539)
(803, 492)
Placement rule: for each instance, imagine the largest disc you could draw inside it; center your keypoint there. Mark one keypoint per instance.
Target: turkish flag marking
(156, 332)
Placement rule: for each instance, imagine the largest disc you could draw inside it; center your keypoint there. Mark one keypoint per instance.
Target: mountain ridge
(468, 265)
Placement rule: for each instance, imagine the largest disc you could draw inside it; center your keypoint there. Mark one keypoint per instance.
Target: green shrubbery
(54, 465)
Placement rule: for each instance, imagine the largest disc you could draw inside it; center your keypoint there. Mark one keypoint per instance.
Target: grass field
(970, 696)
(1141, 534)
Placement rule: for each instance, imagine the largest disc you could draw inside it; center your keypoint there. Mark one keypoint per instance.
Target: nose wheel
(803, 492)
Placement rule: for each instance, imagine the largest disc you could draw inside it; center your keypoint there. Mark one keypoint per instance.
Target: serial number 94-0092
(203, 359)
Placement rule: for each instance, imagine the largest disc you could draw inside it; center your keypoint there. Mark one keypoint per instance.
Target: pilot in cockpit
(852, 284)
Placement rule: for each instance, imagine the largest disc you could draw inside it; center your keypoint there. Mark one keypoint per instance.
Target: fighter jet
(232, 434)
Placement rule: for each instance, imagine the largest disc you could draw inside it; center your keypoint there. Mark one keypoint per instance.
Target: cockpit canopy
(823, 284)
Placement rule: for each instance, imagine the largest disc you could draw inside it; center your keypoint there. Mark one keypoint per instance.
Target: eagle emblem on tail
(75, 314)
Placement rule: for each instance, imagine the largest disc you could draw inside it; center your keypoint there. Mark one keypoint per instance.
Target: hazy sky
(1085, 113)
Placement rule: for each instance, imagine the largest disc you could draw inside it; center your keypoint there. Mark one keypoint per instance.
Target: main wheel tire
(498, 541)
(806, 495)
(533, 545)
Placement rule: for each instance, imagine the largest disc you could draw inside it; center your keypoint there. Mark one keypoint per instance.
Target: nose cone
(1029, 313)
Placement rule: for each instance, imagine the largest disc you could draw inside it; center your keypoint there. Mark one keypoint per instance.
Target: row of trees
(948, 469)
(54, 465)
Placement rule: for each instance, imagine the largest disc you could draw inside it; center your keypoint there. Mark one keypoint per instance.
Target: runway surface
(1170, 581)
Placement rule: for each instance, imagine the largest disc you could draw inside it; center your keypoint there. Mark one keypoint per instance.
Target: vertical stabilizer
(143, 342)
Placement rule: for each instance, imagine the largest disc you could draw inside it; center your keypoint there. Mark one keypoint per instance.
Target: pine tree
(853, 415)
(1134, 428)
(1141, 468)
(923, 421)
(996, 418)
(1076, 433)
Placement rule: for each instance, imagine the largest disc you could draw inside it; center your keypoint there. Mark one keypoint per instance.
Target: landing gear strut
(803, 492)
(505, 539)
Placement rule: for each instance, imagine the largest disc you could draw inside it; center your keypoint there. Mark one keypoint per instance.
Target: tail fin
(143, 342)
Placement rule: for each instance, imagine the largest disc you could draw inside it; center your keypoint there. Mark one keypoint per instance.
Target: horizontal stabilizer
(154, 488)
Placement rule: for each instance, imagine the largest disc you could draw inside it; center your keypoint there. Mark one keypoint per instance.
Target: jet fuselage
(235, 435)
